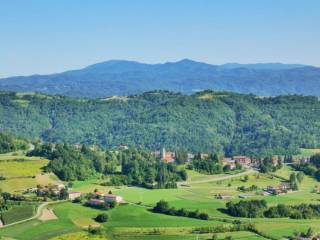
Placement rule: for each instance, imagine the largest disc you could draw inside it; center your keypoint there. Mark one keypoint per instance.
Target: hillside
(206, 121)
(118, 77)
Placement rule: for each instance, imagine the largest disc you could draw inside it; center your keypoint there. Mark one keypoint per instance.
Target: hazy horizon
(152, 63)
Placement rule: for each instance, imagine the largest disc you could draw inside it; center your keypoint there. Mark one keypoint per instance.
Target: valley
(134, 220)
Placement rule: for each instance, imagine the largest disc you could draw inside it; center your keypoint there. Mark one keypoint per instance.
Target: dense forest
(9, 143)
(207, 121)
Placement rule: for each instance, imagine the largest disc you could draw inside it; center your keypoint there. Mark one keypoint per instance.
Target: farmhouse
(73, 195)
(112, 198)
(204, 155)
(59, 186)
(98, 195)
(270, 189)
(243, 160)
(123, 147)
(284, 187)
(190, 157)
(96, 202)
(32, 190)
(230, 162)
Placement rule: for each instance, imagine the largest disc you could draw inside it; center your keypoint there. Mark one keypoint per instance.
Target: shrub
(204, 216)
(103, 217)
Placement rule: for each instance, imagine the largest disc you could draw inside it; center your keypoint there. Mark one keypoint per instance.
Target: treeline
(203, 122)
(259, 208)
(140, 167)
(164, 208)
(9, 143)
(68, 162)
(311, 168)
(208, 165)
(137, 166)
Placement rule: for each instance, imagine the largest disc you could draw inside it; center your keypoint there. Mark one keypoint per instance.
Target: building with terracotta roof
(243, 160)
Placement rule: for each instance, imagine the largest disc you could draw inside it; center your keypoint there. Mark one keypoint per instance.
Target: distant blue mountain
(119, 77)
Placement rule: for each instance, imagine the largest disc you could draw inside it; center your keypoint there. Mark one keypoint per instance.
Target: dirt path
(47, 214)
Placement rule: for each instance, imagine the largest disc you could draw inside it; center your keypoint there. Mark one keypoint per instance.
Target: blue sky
(43, 36)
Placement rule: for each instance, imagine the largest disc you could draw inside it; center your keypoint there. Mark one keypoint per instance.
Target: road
(225, 177)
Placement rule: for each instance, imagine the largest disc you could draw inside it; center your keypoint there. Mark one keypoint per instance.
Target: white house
(73, 195)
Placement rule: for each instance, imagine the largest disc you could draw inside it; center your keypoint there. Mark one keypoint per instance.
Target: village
(61, 191)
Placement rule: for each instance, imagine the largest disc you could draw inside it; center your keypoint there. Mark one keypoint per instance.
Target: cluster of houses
(283, 187)
(170, 157)
(96, 198)
(55, 189)
(242, 160)
(99, 198)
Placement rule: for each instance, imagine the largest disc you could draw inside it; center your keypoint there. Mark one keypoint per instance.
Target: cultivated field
(22, 172)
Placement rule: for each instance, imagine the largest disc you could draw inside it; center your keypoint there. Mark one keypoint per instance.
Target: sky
(42, 36)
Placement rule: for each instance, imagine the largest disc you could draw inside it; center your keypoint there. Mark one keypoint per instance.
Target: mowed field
(305, 152)
(135, 221)
(22, 172)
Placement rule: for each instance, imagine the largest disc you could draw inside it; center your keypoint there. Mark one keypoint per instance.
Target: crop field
(17, 213)
(22, 172)
(78, 236)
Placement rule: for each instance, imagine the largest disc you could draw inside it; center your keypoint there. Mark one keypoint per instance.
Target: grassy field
(22, 172)
(305, 152)
(79, 236)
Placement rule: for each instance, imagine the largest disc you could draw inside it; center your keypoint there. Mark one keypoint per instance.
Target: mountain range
(121, 77)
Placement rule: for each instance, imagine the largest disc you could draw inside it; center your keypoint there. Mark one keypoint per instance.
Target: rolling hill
(118, 77)
(204, 121)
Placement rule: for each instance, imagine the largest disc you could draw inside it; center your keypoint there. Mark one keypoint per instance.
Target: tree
(300, 177)
(227, 168)
(292, 177)
(310, 233)
(315, 160)
(161, 207)
(204, 216)
(246, 178)
(102, 217)
(182, 212)
(63, 194)
(181, 157)
(70, 185)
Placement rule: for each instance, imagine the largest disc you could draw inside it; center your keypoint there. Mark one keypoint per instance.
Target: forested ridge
(203, 122)
(121, 77)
